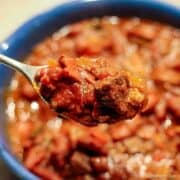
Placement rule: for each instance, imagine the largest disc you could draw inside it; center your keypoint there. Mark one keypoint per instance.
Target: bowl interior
(39, 27)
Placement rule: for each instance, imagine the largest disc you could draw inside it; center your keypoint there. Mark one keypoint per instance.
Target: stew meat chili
(147, 146)
(91, 91)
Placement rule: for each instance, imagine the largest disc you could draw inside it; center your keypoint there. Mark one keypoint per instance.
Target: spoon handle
(27, 70)
(13, 64)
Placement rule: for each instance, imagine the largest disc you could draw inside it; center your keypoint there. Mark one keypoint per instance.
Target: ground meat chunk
(117, 100)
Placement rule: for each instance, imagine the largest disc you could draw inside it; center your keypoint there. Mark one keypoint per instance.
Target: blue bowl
(34, 30)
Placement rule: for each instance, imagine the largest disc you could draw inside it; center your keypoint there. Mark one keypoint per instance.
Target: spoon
(28, 71)
(112, 95)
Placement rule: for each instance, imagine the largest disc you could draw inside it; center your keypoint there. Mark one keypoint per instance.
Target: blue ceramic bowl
(34, 30)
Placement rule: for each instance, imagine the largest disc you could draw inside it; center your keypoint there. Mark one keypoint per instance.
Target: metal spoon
(28, 71)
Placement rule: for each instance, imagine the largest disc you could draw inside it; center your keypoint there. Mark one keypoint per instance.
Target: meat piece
(173, 104)
(135, 145)
(91, 91)
(117, 100)
(143, 31)
(34, 156)
(146, 132)
(59, 151)
(159, 155)
(120, 131)
(119, 172)
(80, 163)
(46, 173)
(178, 162)
(93, 40)
(163, 74)
(160, 109)
(153, 100)
(94, 143)
(99, 164)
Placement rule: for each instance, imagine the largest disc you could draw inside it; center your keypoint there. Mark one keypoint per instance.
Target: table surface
(12, 14)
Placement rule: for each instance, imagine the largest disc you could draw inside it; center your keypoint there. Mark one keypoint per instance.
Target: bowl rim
(5, 155)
